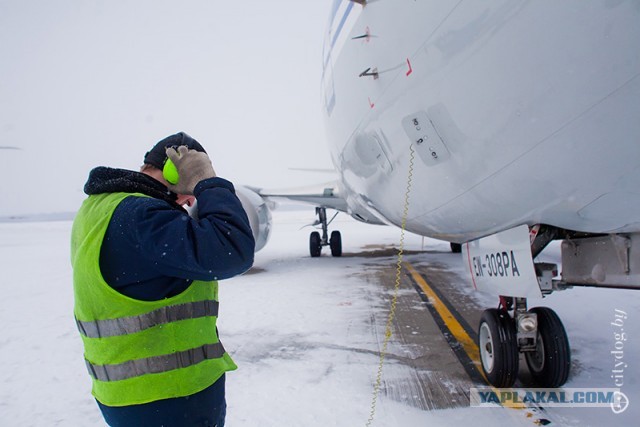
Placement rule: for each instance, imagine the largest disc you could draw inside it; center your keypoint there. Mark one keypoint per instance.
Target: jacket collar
(110, 180)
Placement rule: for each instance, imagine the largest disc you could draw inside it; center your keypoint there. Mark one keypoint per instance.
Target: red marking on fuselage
(410, 69)
(371, 104)
(471, 268)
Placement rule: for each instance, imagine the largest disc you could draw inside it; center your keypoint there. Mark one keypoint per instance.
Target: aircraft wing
(324, 195)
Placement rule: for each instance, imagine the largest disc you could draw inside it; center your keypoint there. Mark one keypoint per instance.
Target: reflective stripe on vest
(161, 316)
(156, 364)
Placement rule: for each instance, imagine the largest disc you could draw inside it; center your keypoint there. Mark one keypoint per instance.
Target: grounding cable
(394, 300)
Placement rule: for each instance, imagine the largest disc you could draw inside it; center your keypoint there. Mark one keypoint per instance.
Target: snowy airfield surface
(305, 333)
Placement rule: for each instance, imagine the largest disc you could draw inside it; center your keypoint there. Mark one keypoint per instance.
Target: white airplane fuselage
(518, 112)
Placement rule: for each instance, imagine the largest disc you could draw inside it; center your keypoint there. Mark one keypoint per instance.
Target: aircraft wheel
(498, 347)
(315, 244)
(456, 248)
(335, 242)
(550, 363)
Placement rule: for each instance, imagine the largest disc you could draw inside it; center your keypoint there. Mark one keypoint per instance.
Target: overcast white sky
(85, 83)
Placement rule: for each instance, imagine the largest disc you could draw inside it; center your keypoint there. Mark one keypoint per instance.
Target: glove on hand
(193, 166)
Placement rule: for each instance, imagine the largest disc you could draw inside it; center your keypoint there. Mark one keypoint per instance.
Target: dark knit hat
(157, 155)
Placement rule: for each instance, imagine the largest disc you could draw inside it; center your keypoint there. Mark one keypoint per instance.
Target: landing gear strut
(316, 241)
(538, 333)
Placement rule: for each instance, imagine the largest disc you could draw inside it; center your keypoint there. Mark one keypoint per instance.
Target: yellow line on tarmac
(456, 329)
(449, 319)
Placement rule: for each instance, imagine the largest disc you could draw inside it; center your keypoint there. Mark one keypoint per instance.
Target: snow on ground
(304, 332)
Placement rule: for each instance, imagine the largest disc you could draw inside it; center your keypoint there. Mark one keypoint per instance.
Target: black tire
(315, 244)
(551, 362)
(456, 248)
(498, 347)
(335, 242)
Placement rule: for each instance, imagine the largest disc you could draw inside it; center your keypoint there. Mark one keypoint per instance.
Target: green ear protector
(170, 172)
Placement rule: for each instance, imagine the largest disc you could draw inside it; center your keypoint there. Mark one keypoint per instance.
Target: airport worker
(145, 286)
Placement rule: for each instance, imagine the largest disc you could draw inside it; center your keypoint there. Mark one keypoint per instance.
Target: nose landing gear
(317, 241)
(538, 333)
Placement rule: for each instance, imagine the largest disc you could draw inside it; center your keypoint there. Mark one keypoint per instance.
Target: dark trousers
(203, 409)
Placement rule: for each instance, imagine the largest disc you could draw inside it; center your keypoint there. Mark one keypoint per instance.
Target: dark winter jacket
(153, 249)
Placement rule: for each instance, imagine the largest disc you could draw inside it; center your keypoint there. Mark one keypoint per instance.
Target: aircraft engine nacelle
(258, 213)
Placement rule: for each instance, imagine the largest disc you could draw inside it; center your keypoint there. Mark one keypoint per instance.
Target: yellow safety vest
(140, 351)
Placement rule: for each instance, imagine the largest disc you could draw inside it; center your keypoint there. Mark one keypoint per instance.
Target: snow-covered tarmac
(305, 333)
